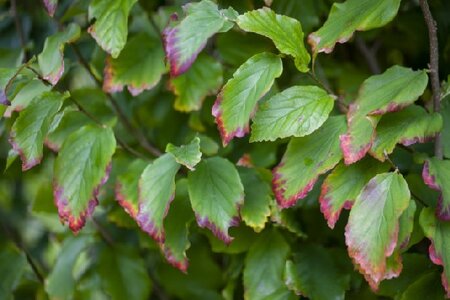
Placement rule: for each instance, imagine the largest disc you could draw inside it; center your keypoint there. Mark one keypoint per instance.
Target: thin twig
(140, 136)
(318, 81)
(434, 68)
(19, 29)
(369, 55)
(103, 233)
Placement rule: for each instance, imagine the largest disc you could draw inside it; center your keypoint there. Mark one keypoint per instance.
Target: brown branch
(434, 68)
(137, 132)
(369, 55)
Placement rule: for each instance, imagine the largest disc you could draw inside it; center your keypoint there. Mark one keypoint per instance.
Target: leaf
(391, 91)
(314, 274)
(438, 232)
(126, 189)
(408, 126)
(51, 59)
(445, 134)
(76, 185)
(176, 226)
(185, 40)
(372, 230)
(140, 66)
(216, 193)
(346, 18)
(426, 287)
(203, 78)
(123, 273)
(12, 267)
(187, 155)
(156, 192)
(50, 6)
(343, 185)
(30, 128)
(314, 155)
(266, 257)
(436, 174)
(285, 32)
(110, 29)
(297, 111)
(60, 283)
(6, 74)
(26, 94)
(256, 208)
(237, 99)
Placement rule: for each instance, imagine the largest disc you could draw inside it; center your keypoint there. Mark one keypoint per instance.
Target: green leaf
(284, 31)
(408, 126)
(30, 128)
(51, 59)
(426, 287)
(388, 92)
(126, 189)
(216, 193)
(26, 94)
(436, 174)
(258, 197)
(445, 134)
(176, 225)
(297, 111)
(238, 98)
(314, 274)
(373, 226)
(6, 74)
(438, 232)
(185, 40)
(346, 18)
(264, 267)
(110, 29)
(76, 185)
(50, 6)
(140, 66)
(314, 155)
(123, 273)
(343, 185)
(12, 267)
(60, 283)
(156, 192)
(187, 155)
(191, 88)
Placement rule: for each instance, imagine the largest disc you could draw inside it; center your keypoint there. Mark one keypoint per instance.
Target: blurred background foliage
(111, 257)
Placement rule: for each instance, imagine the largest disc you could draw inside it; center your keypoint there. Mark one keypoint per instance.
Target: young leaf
(184, 41)
(60, 283)
(51, 59)
(176, 225)
(346, 18)
(256, 208)
(314, 274)
(140, 66)
(191, 88)
(296, 111)
(285, 32)
(343, 185)
(188, 155)
(30, 128)
(123, 273)
(237, 99)
(156, 192)
(26, 94)
(314, 155)
(372, 230)
(438, 232)
(50, 6)
(408, 126)
(388, 92)
(216, 193)
(81, 168)
(126, 189)
(110, 29)
(436, 174)
(264, 267)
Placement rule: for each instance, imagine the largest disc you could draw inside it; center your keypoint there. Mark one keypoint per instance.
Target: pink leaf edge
(129, 208)
(26, 163)
(331, 214)
(442, 211)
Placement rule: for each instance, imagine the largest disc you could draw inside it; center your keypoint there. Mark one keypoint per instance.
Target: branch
(19, 30)
(434, 68)
(140, 136)
(369, 54)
